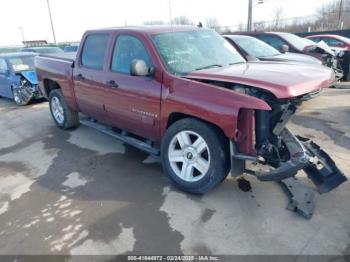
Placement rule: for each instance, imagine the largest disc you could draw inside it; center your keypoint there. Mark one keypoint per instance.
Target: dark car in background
(71, 48)
(18, 79)
(252, 48)
(340, 45)
(43, 49)
(287, 42)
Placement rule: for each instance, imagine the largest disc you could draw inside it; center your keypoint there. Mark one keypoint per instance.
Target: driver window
(126, 49)
(3, 66)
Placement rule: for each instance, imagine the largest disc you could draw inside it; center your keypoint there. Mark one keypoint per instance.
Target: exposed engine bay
(328, 57)
(27, 89)
(276, 153)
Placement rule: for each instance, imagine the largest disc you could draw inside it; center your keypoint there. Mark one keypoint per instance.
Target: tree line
(334, 15)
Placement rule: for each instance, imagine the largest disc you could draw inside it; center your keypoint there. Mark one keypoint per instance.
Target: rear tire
(63, 116)
(195, 155)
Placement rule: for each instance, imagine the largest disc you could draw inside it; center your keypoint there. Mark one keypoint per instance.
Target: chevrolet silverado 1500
(186, 94)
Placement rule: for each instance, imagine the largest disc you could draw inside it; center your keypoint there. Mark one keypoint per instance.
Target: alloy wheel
(189, 156)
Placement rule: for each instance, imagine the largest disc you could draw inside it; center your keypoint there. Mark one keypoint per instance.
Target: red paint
(143, 105)
(246, 132)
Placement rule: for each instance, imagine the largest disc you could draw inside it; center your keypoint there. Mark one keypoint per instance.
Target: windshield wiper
(208, 66)
(237, 63)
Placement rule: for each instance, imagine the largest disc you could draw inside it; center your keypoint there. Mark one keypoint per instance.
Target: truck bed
(69, 57)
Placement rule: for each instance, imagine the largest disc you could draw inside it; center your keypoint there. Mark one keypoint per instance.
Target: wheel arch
(176, 116)
(50, 85)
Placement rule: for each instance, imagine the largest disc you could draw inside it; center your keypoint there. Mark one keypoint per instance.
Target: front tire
(63, 116)
(195, 155)
(19, 99)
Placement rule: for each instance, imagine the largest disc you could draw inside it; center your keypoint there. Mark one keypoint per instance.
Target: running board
(122, 136)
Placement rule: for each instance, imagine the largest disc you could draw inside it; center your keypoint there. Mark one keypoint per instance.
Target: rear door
(89, 75)
(132, 102)
(5, 83)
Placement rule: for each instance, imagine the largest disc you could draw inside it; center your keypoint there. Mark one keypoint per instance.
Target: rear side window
(273, 41)
(127, 48)
(94, 51)
(3, 66)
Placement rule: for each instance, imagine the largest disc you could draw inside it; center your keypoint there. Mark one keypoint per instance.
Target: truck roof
(17, 54)
(67, 56)
(150, 29)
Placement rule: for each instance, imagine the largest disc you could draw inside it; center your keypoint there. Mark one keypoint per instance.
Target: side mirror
(285, 48)
(138, 67)
(251, 58)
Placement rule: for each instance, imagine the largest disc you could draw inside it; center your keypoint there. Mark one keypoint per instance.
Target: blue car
(18, 79)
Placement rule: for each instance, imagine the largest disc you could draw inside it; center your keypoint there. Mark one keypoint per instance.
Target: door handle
(112, 84)
(79, 77)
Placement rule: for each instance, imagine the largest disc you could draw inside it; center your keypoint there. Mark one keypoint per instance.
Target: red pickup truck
(186, 94)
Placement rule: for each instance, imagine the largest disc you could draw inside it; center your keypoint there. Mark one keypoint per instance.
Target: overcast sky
(72, 17)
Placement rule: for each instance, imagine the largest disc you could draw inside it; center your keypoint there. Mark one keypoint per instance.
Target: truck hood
(281, 79)
(292, 57)
(30, 76)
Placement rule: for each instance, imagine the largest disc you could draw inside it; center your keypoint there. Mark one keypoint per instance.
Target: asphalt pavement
(82, 192)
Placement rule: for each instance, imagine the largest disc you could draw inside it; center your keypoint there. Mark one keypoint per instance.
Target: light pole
(250, 14)
(340, 14)
(22, 33)
(170, 13)
(53, 30)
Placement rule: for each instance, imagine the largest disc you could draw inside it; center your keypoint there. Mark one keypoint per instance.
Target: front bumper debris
(308, 156)
(323, 173)
(299, 159)
(301, 197)
(304, 155)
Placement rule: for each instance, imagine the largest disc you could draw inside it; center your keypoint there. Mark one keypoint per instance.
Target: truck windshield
(254, 47)
(24, 63)
(184, 52)
(295, 40)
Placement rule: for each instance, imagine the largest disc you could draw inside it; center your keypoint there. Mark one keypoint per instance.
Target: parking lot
(82, 192)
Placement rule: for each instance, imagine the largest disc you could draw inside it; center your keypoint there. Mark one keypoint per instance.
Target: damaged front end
(277, 154)
(27, 88)
(327, 56)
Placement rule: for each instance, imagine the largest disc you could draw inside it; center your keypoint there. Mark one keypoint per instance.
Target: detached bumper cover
(308, 156)
(324, 173)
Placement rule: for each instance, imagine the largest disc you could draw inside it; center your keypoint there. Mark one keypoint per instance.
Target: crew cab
(186, 94)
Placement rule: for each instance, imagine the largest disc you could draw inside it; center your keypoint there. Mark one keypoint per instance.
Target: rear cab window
(94, 51)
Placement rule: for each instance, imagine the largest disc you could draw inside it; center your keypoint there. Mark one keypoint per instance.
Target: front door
(5, 84)
(132, 102)
(89, 76)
